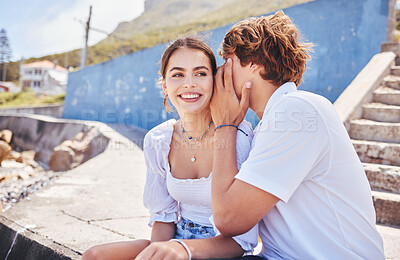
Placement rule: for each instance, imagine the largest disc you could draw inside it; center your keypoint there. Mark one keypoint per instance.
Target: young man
(303, 180)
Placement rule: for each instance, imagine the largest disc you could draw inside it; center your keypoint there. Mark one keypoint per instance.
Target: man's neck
(261, 92)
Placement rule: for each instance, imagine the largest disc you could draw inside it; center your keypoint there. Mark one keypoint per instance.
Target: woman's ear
(164, 86)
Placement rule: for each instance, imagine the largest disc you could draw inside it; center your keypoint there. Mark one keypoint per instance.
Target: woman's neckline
(171, 132)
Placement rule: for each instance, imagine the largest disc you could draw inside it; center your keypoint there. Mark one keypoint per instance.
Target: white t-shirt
(302, 154)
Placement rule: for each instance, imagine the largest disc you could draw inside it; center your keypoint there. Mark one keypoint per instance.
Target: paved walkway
(98, 202)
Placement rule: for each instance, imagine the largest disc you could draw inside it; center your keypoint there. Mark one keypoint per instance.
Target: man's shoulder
(299, 112)
(300, 101)
(307, 98)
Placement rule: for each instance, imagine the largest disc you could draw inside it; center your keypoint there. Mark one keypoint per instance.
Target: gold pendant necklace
(191, 138)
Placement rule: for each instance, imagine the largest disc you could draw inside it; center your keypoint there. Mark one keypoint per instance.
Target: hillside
(163, 20)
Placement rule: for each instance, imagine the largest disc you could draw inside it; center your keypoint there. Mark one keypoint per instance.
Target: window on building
(38, 71)
(36, 84)
(29, 72)
(26, 83)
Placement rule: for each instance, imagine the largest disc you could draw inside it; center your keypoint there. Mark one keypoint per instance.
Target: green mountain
(162, 21)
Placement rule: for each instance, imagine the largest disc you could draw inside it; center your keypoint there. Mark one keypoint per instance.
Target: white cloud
(55, 28)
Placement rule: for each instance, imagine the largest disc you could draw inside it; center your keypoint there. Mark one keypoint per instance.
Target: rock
(13, 155)
(8, 177)
(26, 157)
(6, 135)
(34, 165)
(12, 164)
(61, 159)
(5, 149)
(81, 148)
(23, 175)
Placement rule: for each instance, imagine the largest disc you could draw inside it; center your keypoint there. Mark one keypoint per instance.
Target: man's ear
(254, 67)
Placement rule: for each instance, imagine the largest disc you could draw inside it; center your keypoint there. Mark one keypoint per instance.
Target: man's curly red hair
(272, 42)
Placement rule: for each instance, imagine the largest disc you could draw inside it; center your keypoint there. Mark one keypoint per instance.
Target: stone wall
(42, 134)
(346, 34)
(49, 110)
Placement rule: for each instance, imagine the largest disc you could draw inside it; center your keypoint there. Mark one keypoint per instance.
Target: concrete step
(395, 70)
(391, 238)
(381, 112)
(383, 177)
(387, 207)
(378, 152)
(387, 95)
(363, 129)
(393, 81)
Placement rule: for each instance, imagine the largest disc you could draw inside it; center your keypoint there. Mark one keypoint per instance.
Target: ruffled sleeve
(244, 138)
(156, 198)
(247, 241)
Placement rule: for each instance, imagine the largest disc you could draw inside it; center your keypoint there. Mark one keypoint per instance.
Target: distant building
(9, 87)
(44, 77)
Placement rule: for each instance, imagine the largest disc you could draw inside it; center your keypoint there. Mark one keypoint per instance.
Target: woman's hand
(167, 250)
(225, 106)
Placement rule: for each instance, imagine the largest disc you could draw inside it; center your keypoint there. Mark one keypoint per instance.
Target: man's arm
(237, 206)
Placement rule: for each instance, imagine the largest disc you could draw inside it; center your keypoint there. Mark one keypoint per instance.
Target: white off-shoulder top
(167, 197)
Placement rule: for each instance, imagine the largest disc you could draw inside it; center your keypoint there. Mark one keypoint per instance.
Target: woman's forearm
(215, 247)
(162, 231)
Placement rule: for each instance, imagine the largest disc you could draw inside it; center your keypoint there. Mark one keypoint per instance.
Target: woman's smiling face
(189, 80)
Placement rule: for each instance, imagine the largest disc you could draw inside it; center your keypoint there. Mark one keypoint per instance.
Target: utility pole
(21, 64)
(84, 51)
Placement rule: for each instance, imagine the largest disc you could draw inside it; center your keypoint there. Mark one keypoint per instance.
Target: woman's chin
(193, 109)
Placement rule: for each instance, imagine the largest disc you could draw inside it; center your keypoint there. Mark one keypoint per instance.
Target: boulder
(13, 155)
(26, 156)
(81, 148)
(5, 149)
(6, 135)
(61, 159)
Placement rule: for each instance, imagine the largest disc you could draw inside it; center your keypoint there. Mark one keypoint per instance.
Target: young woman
(179, 157)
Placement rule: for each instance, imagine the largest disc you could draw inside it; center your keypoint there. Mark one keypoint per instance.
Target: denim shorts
(187, 229)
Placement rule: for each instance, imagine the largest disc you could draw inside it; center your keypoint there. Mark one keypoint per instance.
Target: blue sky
(40, 27)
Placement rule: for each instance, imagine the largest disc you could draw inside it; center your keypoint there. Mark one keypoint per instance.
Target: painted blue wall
(346, 34)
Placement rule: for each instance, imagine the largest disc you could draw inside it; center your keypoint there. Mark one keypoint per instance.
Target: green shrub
(28, 98)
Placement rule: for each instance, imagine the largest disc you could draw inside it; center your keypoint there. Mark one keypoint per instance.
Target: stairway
(376, 138)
